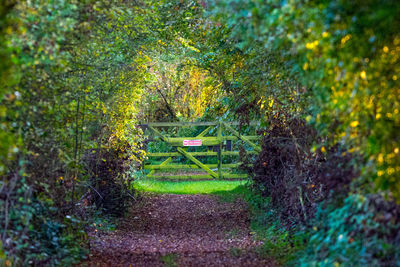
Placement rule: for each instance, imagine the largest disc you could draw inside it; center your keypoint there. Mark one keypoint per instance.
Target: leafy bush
(294, 177)
(341, 58)
(361, 230)
(110, 186)
(323, 76)
(278, 241)
(34, 232)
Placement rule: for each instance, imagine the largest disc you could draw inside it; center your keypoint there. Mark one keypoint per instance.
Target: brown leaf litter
(179, 230)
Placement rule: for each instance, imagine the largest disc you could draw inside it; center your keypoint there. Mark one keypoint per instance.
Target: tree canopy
(77, 77)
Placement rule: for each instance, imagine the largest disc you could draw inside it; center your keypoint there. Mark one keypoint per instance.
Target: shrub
(32, 230)
(362, 230)
(109, 185)
(295, 178)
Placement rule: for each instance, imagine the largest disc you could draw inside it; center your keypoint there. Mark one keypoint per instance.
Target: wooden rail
(208, 153)
(214, 171)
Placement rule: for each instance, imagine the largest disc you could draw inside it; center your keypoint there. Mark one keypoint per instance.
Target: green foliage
(63, 100)
(278, 241)
(110, 186)
(33, 230)
(344, 55)
(76, 76)
(360, 232)
(102, 222)
(33, 234)
(170, 260)
(177, 87)
(159, 146)
(7, 139)
(265, 225)
(334, 64)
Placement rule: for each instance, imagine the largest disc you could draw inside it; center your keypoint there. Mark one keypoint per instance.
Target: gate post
(219, 150)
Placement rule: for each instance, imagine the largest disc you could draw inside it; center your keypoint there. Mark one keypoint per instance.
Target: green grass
(186, 187)
(170, 260)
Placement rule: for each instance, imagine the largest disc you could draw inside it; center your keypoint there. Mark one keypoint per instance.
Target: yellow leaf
(271, 103)
(385, 49)
(345, 39)
(354, 124)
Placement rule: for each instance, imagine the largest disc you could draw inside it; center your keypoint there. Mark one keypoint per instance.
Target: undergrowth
(170, 260)
(266, 226)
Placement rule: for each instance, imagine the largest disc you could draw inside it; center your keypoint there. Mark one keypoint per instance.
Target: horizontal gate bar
(206, 141)
(186, 166)
(243, 138)
(176, 154)
(197, 162)
(165, 162)
(197, 177)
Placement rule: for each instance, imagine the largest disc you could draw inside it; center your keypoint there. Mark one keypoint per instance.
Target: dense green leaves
(334, 64)
(346, 55)
(83, 74)
(77, 76)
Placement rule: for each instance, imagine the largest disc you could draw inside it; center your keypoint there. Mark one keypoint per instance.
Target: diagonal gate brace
(243, 138)
(197, 162)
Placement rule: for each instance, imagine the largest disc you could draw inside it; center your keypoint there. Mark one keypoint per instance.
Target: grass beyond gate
(186, 187)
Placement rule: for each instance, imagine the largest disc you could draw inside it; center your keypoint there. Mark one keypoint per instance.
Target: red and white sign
(191, 142)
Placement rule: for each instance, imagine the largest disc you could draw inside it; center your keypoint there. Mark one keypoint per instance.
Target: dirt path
(179, 230)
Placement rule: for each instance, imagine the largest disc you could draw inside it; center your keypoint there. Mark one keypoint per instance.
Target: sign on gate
(191, 142)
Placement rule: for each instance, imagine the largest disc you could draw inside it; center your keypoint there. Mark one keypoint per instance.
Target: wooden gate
(217, 146)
